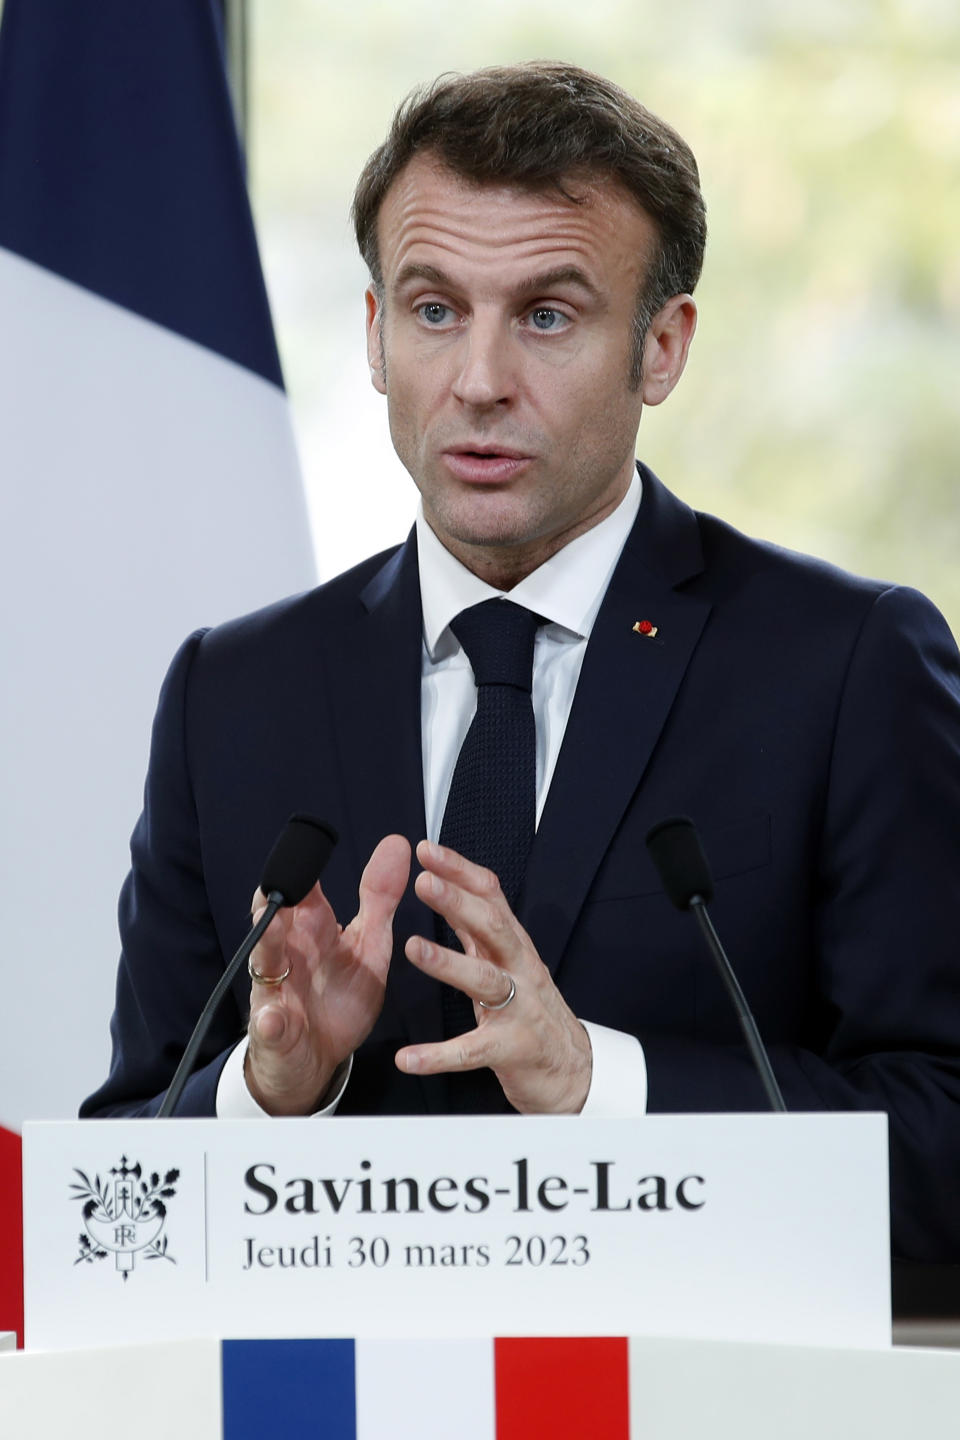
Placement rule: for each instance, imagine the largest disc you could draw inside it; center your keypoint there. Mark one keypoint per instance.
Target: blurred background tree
(820, 407)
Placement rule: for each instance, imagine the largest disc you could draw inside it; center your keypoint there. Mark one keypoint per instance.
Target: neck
(504, 566)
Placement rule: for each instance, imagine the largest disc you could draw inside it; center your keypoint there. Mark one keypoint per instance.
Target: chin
(484, 520)
(489, 537)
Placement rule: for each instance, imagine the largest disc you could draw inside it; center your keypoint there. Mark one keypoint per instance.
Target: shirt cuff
(234, 1101)
(618, 1084)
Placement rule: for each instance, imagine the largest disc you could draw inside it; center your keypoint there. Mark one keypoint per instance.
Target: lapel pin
(645, 627)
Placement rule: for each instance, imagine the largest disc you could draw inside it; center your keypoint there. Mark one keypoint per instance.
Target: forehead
(430, 215)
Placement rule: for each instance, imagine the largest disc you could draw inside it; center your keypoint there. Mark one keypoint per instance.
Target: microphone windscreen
(676, 851)
(293, 866)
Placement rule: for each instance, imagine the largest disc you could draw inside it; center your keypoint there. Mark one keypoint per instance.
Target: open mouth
(486, 464)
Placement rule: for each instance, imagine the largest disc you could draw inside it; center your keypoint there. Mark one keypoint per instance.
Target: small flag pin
(645, 627)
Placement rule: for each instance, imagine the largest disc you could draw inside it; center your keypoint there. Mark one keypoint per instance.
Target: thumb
(383, 882)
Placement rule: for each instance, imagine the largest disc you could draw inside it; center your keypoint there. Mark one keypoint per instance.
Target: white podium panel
(153, 1392)
(671, 1390)
(750, 1227)
(689, 1391)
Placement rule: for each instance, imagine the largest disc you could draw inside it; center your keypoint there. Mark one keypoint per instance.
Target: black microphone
(293, 867)
(676, 851)
(298, 858)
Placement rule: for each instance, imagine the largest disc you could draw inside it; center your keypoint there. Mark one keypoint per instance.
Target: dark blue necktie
(491, 808)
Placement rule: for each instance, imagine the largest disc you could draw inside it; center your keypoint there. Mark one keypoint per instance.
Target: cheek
(597, 365)
(409, 411)
(407, 401)
(596, 396)
(418, 387)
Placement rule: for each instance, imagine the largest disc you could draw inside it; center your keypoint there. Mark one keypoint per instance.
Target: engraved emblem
(124, 1216)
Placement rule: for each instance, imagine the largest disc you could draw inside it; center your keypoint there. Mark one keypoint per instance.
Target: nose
(486, 375)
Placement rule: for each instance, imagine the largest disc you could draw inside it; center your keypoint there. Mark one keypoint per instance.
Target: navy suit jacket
(809, 721)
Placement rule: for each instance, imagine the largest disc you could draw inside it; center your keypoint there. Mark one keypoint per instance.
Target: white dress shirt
(568, 590)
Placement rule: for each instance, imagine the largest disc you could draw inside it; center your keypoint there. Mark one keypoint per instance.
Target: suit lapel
(376, 704)
(627, 687)
(377, 720)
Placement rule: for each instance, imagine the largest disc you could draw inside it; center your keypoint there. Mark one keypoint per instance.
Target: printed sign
(737, 1227)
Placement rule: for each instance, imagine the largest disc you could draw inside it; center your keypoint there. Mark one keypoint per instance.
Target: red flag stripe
(562, 1389)
(11, 1234)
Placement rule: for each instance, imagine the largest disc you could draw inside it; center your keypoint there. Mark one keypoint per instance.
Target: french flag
(150, 483)
(505, 1389)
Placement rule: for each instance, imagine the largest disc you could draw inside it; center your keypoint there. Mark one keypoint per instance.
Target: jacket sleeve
(171, 958)
(887, 947)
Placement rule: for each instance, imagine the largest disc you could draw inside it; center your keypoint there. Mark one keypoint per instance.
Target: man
(533, 237)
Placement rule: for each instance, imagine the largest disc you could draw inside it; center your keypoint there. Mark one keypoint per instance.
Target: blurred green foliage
(820, 407)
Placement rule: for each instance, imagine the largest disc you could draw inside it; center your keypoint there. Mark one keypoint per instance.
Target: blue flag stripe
(120, 167)
(289, 1387)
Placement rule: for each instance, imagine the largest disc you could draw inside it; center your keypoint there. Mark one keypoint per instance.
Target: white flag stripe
(150, 486)
(425, 1389)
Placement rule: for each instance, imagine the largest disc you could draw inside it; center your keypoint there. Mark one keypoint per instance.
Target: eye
(433, 313)
(546, 318)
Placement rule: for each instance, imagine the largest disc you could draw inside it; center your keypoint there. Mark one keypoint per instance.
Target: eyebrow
(421, 272)
(536, 285)
(552, 279)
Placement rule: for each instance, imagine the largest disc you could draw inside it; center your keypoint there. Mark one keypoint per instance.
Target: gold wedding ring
(259, 979)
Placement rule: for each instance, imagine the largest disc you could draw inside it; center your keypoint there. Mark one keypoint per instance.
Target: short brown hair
(540, 125)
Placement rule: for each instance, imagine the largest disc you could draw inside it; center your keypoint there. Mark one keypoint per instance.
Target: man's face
(503, 343)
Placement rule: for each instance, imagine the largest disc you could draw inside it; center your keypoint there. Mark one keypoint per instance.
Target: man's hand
(535, 1045)
(301, 1030)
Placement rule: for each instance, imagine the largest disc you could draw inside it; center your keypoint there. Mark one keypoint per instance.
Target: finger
(294, 935)
(476, 1050)
(283, 1075)
(370, 934)
(267, 956)
(268, 1024)
(483, 924)
(313, 901)
(383, 882)
(450, 865)
(481, 980)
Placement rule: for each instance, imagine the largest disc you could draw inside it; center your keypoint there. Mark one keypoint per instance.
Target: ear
(665, 348)
(374, 312)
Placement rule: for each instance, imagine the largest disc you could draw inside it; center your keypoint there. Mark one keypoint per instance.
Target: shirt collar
(567, 589)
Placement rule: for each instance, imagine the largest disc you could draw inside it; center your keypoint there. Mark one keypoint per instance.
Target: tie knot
(498, 638)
